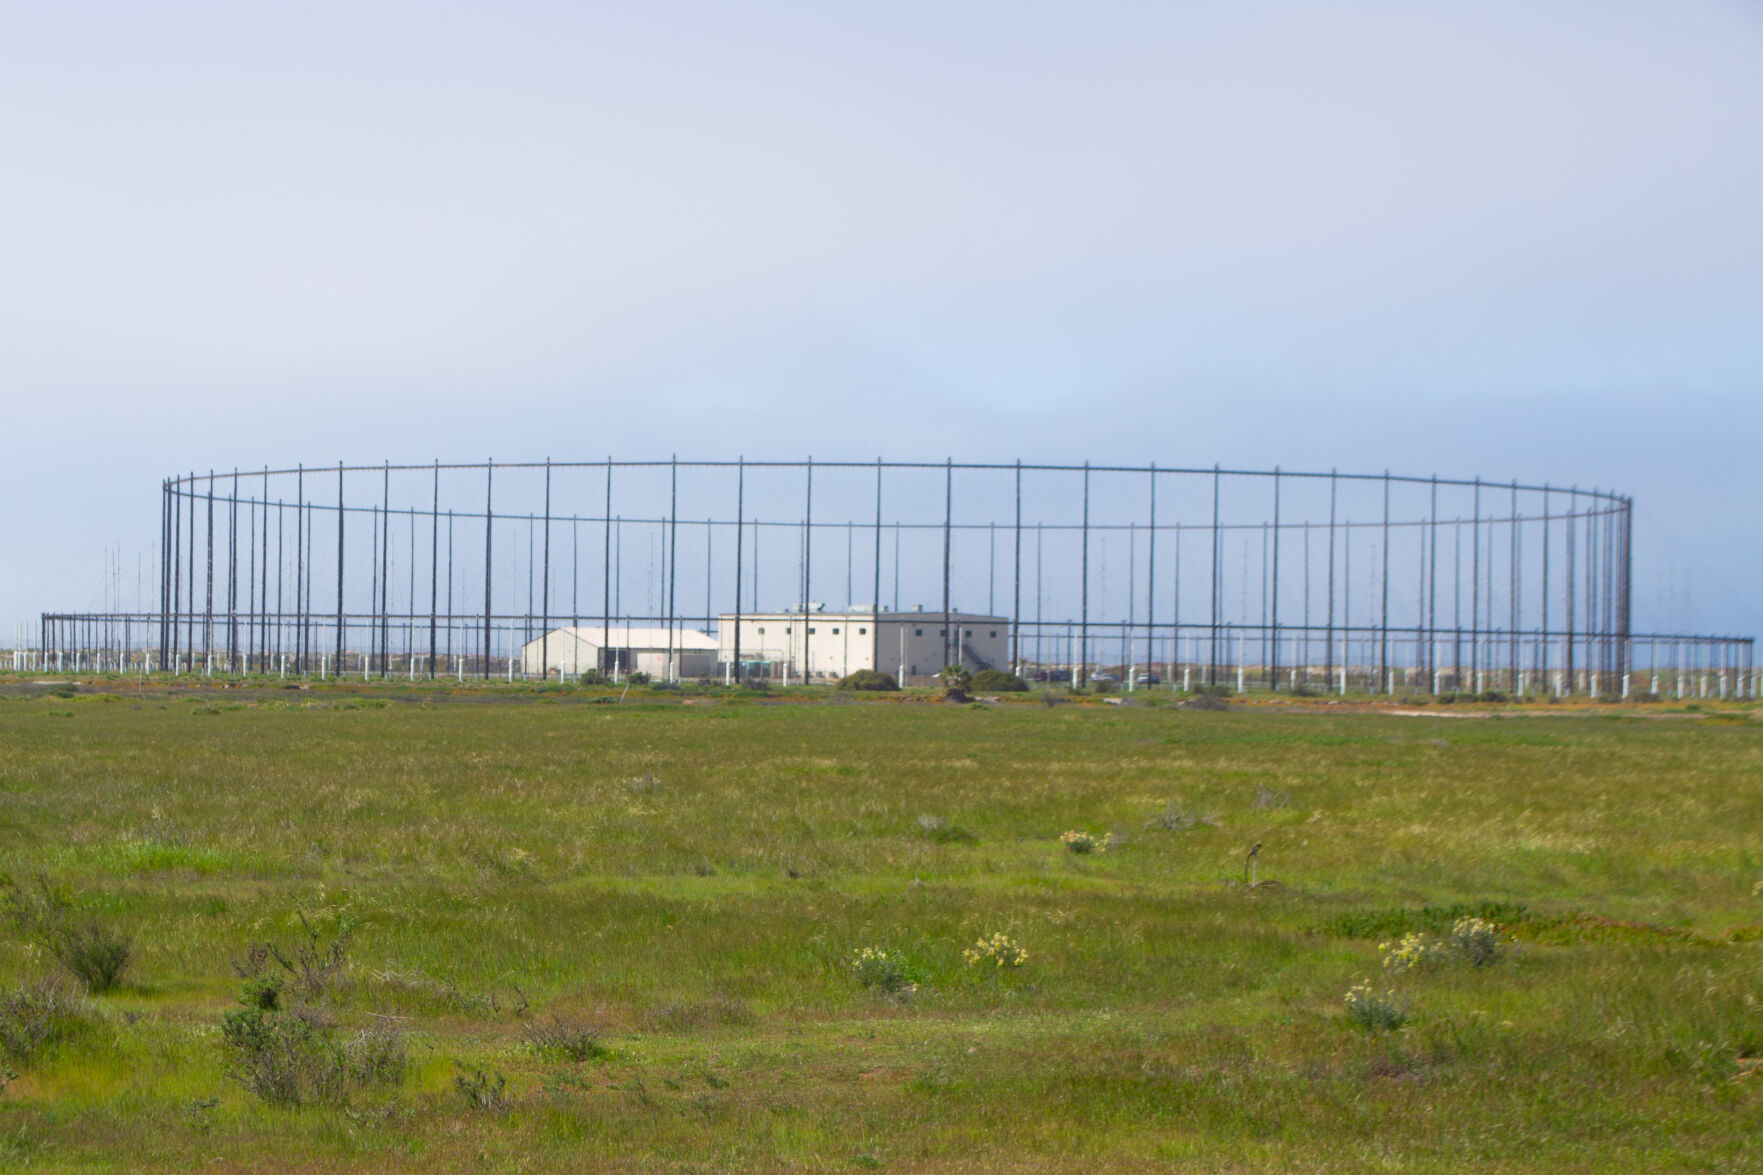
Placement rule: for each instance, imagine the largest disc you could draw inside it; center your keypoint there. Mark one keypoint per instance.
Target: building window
(786, 630)
(863, 632)
(970, 632)
(942, 632)
(993, 634)
(835, 632)
(811, 630)
(761, 630)
(917, 632)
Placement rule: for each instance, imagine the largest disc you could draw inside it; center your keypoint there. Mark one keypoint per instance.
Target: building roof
(683, 639)
(869, 614)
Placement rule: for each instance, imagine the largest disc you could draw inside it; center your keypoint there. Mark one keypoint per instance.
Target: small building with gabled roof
(662, 653)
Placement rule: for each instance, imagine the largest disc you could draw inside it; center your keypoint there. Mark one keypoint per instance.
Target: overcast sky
(1504, 238)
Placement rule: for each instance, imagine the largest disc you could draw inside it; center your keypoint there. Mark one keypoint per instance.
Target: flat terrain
(676, 894)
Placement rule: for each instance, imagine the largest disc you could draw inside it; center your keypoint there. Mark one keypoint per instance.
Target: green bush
(885, 971)
(1376, 1011)
(996, 681)
(574, 1038)
(33, 1016)
(868, 679)
(97, 954)
(292, 1057)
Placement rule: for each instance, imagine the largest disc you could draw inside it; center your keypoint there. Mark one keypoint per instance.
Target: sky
(1503, 238)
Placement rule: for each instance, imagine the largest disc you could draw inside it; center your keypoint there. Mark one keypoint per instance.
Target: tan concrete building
(829, 645)
(620, 650)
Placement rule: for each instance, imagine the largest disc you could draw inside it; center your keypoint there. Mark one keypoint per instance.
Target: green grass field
(681, 889)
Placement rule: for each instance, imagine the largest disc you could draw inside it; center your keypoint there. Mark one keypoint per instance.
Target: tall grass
(667, 969)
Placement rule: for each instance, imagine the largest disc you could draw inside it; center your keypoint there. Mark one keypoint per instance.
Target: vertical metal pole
(545, 590)
(606, 571)
(339, 642)
(1512, 592)
(1592, 664)
(1543, 623)
(208, 597)
(672, 561)
(307, 615)
(190, 575)
(434, 569)
(1273, 652)
(175, 488)
(1570, 528)
(740, 531)
(232, 586)
(1212, 666)
(263, 629)
(1383, 623)
(1150, 573)
(489, 565)
(1079, 674)
(876, 591)
(300, 570)
(281, 568)
(948, 518)
(385, 570)
(808, 569)
(1626, 615)
(1432, 579)
(458, 672)
(1016, 590)
(1328, 649)
(1475, 593)
(168, 560)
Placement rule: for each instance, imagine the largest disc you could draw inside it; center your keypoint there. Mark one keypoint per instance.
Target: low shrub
(869, 680)
(480, 1093)
(884, 971)
(935, 828)
(997, 681)
(292, 1057)
(35, 1015)
(1471, 940)
(637, 678)
(1412, 952)
(1477, 941)
(97, 954)
(1267, 798)
(94, 952)
(317, 962)
(998, 951)
(1177, 817)
(572, 1037)
(685, 1015)
(1376, 1011)
(1085, 843)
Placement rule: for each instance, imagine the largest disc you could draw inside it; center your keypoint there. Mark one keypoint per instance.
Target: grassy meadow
(586, 934)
